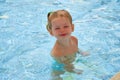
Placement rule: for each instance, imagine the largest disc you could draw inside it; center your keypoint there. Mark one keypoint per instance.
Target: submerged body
(65, 63)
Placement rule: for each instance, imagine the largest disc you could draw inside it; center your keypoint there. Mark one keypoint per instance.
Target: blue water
(25, 43)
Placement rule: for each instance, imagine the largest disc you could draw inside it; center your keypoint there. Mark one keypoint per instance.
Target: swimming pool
(25, 43)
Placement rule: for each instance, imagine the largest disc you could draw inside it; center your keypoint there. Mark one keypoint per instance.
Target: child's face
(61, 27)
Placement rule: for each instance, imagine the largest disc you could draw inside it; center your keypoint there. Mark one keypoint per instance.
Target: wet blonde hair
(55, 14)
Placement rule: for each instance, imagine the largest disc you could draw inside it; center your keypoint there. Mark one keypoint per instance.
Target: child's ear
(72, 27)
(50, 31)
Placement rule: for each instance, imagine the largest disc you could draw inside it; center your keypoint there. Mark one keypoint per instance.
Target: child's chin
(65, 37)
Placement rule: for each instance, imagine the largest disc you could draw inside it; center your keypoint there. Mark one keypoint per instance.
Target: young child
(66, 46)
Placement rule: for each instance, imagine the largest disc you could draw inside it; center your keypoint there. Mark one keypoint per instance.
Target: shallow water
(25, 43)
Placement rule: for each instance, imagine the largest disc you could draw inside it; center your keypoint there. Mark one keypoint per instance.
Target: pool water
(25, 43)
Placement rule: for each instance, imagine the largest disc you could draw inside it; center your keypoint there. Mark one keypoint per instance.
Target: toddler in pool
(66, 46)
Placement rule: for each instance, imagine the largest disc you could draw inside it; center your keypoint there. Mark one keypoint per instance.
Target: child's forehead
(60, 21)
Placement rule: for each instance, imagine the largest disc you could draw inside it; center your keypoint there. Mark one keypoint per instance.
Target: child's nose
(62, 29)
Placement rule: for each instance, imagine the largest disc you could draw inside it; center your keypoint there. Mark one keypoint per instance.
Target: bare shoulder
(74, 39)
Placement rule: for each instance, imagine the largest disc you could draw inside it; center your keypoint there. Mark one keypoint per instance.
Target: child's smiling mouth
(63, 34)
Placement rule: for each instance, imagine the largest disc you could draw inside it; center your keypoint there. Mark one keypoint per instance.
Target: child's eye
(57, 28)
(66, 26)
